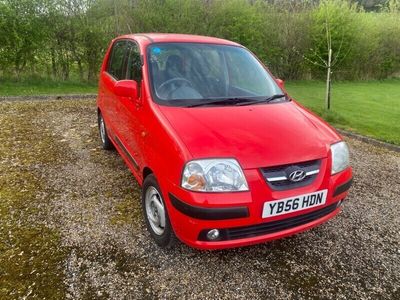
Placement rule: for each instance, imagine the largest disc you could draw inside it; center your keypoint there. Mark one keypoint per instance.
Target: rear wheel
(105, 140)
(156, 214)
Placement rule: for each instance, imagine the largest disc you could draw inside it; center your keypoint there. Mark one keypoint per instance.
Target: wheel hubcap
(102, 130)
(155, 211)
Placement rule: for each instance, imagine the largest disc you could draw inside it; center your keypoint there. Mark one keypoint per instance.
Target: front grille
(277, 176)
(270, 227)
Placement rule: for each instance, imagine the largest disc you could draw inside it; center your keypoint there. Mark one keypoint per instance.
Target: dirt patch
(93, 244)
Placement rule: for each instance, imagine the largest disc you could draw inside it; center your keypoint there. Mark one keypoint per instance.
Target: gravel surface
(90, 201)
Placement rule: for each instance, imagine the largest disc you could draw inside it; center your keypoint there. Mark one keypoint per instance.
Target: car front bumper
(238, 215)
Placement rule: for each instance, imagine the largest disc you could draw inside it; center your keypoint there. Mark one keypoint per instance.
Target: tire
(155, 213)
(105, 140)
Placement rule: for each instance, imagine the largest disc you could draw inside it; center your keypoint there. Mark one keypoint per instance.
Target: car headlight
(214, 175)
(340, 157)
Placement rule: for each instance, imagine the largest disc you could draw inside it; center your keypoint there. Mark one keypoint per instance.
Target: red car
(225, 156)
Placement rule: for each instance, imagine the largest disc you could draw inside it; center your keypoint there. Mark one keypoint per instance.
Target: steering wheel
(170, 81)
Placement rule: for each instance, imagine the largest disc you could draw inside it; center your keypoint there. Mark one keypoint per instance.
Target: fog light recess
(213, 234)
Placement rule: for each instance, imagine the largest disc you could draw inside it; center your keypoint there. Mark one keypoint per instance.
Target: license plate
(297, 203)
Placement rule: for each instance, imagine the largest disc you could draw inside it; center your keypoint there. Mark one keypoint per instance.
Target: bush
(59, 40)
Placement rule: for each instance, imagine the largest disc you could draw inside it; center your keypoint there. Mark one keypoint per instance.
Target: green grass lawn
(44, 87)
(370, 108)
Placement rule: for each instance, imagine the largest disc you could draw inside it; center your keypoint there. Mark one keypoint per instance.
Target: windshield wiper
(224, 101)
(266, 100)
(236, 101)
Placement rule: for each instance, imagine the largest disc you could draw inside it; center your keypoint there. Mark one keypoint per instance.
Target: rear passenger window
(116, 63)
(134, 64)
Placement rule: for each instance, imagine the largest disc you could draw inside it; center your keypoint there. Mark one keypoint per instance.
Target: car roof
(149, 38)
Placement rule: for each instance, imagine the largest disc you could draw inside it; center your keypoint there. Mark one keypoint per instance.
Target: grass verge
(30, 87)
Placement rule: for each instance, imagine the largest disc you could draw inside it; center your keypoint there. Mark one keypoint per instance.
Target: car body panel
(268, 137)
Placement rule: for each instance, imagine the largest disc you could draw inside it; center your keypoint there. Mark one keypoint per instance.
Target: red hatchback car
(225, 157)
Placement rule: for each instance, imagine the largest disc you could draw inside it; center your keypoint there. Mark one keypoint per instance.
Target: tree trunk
(116, 18)
(80, 67)
(92, 67)
(53, 63)
(328, 83)
(65, 65)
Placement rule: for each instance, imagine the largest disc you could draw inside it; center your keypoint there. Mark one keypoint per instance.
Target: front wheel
(156, 214)
(105, 140)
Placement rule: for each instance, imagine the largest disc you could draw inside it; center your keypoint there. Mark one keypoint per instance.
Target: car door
(115, 71)
(130, 107)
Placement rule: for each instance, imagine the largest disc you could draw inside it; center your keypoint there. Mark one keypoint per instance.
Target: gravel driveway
(71, 226)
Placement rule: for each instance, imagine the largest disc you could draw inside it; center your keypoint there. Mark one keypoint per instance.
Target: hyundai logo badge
(297, 175)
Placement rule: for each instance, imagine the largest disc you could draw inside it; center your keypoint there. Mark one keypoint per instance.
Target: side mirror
(126, 88)
(281, 84)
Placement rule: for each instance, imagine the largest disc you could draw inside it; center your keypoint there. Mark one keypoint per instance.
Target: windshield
(183, 74)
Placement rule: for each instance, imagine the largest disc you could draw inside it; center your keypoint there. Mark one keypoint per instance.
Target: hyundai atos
(224, 155)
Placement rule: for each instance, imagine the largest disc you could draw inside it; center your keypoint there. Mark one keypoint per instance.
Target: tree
(22, 32)
(333, 34)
